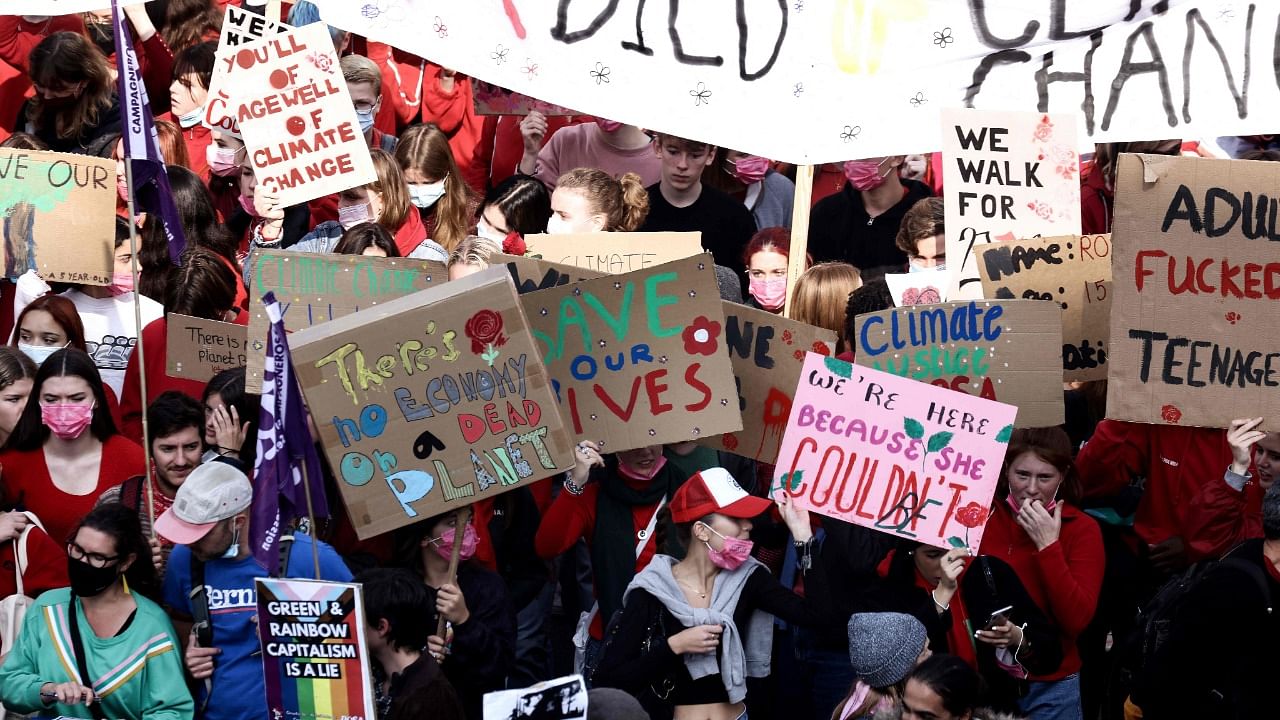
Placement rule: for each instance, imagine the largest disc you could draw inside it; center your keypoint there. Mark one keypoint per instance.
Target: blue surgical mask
(366, 119)
(38, 353)
(425, 195)
(191, 119)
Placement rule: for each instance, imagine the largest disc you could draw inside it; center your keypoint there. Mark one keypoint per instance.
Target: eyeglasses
(98, 560)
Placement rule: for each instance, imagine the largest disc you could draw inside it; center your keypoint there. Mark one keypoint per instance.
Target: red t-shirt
(28, 486)
(46, 566)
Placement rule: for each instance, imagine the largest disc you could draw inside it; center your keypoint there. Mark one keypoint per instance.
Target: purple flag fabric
(284, 448)
(141, 144)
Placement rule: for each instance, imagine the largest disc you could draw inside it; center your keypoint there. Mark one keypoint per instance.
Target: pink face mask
(657, 466)
(444, 543)
(67, 421)
(771, 293)
(732, 555)
(222, 161)
(608, 125)
(865, 175)
(750, 169)
(121, 283)
(246, 202)
(1013, 504)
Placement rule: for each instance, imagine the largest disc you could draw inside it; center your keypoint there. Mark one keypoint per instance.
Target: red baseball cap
(714, 491)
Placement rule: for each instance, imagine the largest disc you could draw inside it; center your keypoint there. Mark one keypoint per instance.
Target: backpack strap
(201, 622)
(131, 492)
(82, 664)
(20, 549)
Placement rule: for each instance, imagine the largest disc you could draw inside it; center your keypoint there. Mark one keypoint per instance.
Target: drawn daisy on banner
(701, 95)
(850, 132)
(441, 29)
(601, 74)
(942, 38)
(499, 54)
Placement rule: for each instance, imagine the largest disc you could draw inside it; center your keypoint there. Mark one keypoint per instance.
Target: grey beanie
(730, 285)
(613, 704)
(883, 647)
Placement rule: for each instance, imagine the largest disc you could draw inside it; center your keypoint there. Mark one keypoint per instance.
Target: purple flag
(141, 144)
(284, 448)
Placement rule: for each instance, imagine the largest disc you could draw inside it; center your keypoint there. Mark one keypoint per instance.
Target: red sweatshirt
(455, 113)
(27, 484)
(1064, 579)
(45, 569)
(1226, 517)
(1177, 462)
(573, 517)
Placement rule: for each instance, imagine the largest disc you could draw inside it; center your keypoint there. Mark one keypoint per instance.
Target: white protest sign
(239, 27)
(295, 114)
(855, 78)
(58, 7)
(922, 287)
(1005, 176)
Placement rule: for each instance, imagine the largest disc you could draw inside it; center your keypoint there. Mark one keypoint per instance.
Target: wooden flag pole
(311, 525)
(461, 517)
(799, 231)
(142, 358)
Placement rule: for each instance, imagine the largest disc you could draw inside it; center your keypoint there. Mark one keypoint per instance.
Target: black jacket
(483, 647)
(839, 230)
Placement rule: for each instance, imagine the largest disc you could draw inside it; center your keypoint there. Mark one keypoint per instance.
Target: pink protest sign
(896, 455)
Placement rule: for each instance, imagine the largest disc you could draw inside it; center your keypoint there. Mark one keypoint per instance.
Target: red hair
(774, 239)
(63, 312)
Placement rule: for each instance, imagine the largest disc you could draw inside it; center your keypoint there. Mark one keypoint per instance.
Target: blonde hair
(623, 202)
(425, 149)
(473, 250)
(358, 69)
(393, 189)
(822, 294)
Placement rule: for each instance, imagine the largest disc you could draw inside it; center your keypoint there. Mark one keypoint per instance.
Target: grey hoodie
(735, 662)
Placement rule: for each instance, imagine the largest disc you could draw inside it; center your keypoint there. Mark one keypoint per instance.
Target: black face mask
(103, 35)
(89, 581)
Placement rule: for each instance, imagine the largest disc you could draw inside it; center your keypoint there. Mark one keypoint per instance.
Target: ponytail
(635, 203)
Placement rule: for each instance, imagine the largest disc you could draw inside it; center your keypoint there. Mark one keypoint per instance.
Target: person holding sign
(691, 632)
(859, 225)
(65, 450)
(478, 648)
(1233, 507)
(613, 147)
(99, 642)
(192, 72)
(1057, 553)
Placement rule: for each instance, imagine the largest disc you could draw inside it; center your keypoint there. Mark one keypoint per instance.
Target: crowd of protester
(1127, 570)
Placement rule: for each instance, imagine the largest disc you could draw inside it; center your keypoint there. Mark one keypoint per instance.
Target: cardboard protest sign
(296, 117)
(638, 359)
(1125, 70)
(1074, 271)
(239, 27)
(1005, 175)
(314, 653)
(314, 288)
(1003, 350)
(560, 699)
(906, 458)
(59, 216)
(431, 402)
(494, 100)
(616, 252)
(1194, 336)
(198, 349)
(532, 274)
(923, 287)
(767, 352)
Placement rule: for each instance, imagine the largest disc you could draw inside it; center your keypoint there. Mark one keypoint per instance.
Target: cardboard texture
(314, 288)
(431, 402)
(616, 252)
(494, 100)
(532, 274)
(314, 649)
(1074, 271)
(1003, 350)
(59, 216)
(1006, 175)
(906, 458)
(638, 359)
(1194, 334)
(239, 27)
(198, 349)
(923, 287)
(295, 114)
(767, 352)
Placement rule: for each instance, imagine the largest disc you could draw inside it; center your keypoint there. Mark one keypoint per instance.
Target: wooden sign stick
(799, 231)
(461, 517)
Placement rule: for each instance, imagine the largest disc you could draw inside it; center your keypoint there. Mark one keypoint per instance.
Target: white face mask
(191, 119)
(353, 215)
(36, 18)
(39, 353)
(558, 225)
(486, 231)
(913, 268)
(425, 195)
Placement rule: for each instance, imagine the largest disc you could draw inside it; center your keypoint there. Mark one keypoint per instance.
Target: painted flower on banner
(700, 336)
(1044, 130)
(971, 516)
(918, 99)
(1171, 414)
(821, 348)
(927, 295)
(499, 54)
(701, 95)
(850, 132)
(441, 29)
(798, 90)
(530, 68)
(485, 329)
(1233, 317)
(1041, 208)
(601, 74)
(942, 38)
(787, 336)
(730, 441)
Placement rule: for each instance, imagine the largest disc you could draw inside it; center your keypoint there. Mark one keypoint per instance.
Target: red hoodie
(1177, 462)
